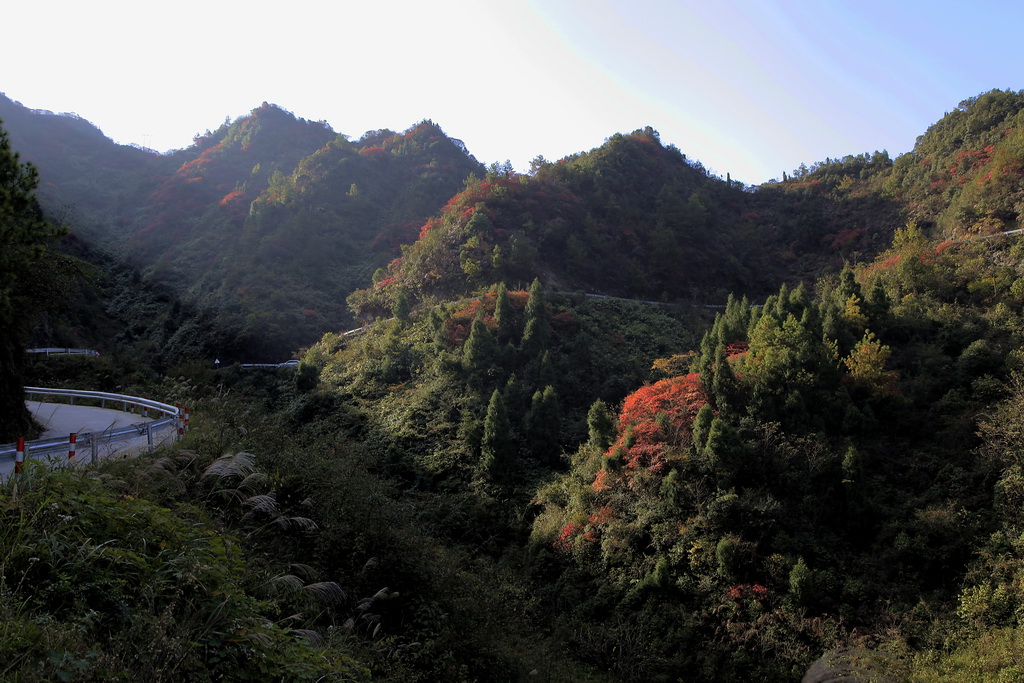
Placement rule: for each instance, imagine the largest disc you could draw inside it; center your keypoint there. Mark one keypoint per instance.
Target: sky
(751, 88)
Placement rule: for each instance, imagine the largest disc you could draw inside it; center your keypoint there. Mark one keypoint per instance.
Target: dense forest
(617, 419)
(258, 231)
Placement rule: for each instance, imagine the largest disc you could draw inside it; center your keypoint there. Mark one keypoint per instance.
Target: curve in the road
(100, 431)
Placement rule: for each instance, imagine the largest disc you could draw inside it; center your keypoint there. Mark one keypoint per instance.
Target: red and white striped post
(181, 421)
(19, 456)
(186, 418)
(145, 412)
(72, 446)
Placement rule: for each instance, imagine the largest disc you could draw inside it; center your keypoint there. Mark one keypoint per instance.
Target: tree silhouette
(24, 238)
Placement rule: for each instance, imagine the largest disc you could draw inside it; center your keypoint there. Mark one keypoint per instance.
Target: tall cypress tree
(724, 387)
(543, 424)
(536, 330)
(496, 443)
(600, 426)
(503, 314)
(480, 351)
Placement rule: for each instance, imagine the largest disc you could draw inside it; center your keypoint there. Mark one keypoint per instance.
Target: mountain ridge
(271, 221)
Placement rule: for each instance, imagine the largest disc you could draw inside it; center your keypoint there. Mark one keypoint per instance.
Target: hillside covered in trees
(265, 224)
(783, 439)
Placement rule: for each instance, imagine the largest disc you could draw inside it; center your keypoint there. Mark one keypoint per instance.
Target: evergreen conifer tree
(722, 451)
(601, 426)
(401, 307)
(545, 370)
(496, 442)
(480, 351)
(24, 238)
(848, 285)
(724, 386)
(702, 426)
(878, 304)
(543, 422)
(503, 314)
(537, 329)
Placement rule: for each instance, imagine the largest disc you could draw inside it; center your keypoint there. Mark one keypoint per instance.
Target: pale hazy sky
(748, 88)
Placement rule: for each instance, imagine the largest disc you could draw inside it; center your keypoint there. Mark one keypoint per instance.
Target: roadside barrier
(170, 418)
(52, 351)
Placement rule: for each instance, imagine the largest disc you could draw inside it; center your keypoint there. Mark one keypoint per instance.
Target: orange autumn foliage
(657, 417)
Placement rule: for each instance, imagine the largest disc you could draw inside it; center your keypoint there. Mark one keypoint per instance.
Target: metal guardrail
(286, 364)
(987, 237)
(91, 441)
(53, 351)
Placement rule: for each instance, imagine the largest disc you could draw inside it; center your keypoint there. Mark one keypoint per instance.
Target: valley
(617, 419)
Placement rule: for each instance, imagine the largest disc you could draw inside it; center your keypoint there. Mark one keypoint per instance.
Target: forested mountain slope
(966, 173)
(86, 180)
(266, 223)
(834, 469)
(632, 218)
(269, 222)
(502, 483)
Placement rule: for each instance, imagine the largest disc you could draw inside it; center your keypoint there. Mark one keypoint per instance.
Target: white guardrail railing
(169, 417)
(53, 351)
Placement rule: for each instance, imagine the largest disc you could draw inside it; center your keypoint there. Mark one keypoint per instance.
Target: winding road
(103, 432)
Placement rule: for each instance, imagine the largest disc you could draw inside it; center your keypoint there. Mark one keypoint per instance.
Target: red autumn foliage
(657, 416)
(680, 397)
(845, 238)
(887, 264)
(456, 332)
(569, 531)
(458, 325)
(373, 152)
(232, 197)
(518, 299)
(469, 197)
(563, 323)
(428, 226)
(737, 348)
(647, 454)
(470, 310)
(198, 164)
(457, 329)
(741, 591)
(969, 160)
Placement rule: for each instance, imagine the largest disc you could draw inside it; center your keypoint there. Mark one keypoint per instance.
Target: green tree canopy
(24, 239)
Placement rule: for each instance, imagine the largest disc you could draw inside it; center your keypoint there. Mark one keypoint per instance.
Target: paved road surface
(61, 419)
